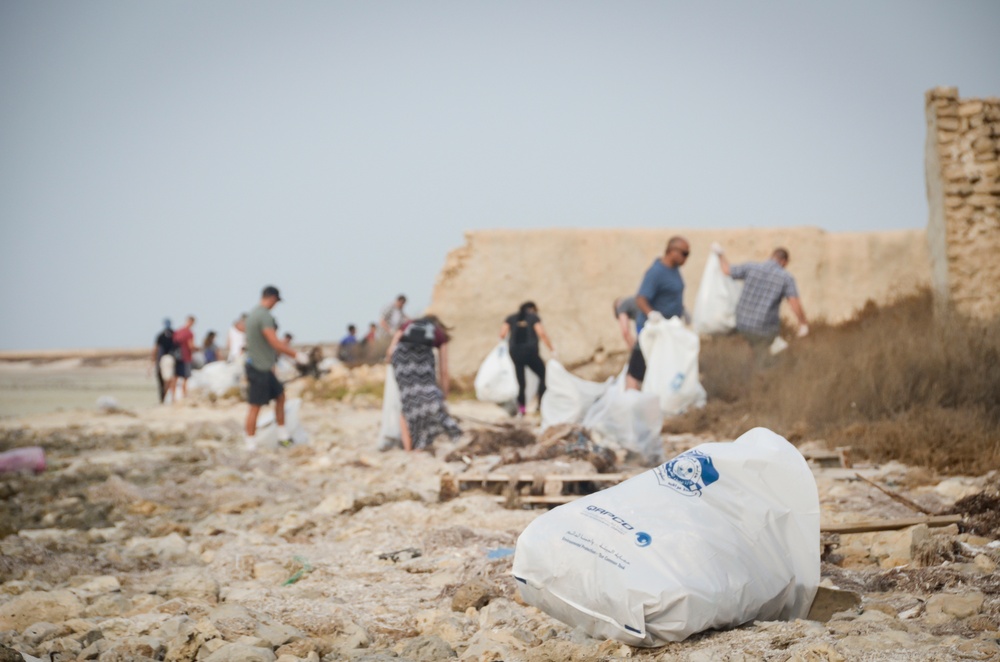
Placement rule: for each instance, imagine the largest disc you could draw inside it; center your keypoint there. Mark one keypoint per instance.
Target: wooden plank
(866, 526)
(539, 499)
(899, 498)
(530, 478)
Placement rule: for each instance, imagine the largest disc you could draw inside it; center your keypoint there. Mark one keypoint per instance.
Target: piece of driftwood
(899, 498)
(865, 526)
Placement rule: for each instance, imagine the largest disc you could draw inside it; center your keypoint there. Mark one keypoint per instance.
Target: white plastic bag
(267, 426)
(496, 380)
(715, 304)
(721, 535)
(567, 397)
(391, 433)
(631, 419)
(671, 354)
(217, 377)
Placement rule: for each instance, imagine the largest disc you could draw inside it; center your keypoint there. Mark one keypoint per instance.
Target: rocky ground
(156, 535)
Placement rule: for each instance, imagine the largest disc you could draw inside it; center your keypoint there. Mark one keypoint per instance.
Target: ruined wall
(574, 275)
(962, 163)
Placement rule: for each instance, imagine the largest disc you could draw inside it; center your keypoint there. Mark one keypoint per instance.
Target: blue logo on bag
(677, 382)
(688, 473)
(642, 539)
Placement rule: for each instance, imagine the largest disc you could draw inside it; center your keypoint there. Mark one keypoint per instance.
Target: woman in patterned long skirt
(412, 356)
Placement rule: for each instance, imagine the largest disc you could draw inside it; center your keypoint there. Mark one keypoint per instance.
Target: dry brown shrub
(896, 382)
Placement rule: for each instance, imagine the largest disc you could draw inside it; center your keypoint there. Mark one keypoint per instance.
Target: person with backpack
(411, 353)
(525, 330)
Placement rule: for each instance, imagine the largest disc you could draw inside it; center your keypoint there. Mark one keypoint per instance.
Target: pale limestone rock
(474, 594)
(106, 606)
(270, 572)
(90, 588)
(957, 487)
(196, 583)
(171, 547)
(36, 633)
(956, 606)
(39, 606)
(449, 627)
(334, 504)
(241, 653)
(427, 648)
(816, 652)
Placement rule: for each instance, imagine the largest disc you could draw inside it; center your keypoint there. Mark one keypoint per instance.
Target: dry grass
(894, 383)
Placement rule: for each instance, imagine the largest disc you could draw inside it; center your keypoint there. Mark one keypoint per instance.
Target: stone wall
(963, 191)
(575, 275)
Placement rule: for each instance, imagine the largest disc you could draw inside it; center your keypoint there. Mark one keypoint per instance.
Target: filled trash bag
(217, 377)
(567, 397)
(267, 426)
(631, 419)
(671, 354)
(391, 433)
(723, 534)
(496, 380)
(715, 304)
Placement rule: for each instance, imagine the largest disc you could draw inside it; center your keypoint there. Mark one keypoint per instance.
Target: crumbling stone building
(963, 191)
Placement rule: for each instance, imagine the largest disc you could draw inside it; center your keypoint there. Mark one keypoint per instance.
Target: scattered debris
(401, 555)
(890, 524)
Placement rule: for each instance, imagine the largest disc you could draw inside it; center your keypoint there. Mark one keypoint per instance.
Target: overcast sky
(161, 158)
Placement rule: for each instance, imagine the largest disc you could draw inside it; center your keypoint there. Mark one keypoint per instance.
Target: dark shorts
(637, 364)
(182, 370)
(262, 386)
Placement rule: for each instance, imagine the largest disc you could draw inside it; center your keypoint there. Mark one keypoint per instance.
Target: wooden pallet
(517, 489)
(839, 457)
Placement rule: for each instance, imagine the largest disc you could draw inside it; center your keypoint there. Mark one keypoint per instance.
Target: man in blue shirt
(765, 284)
(661, 295)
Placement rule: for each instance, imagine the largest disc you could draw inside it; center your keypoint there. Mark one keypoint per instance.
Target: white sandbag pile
(721, 535)
(715, 304)
(671, 353)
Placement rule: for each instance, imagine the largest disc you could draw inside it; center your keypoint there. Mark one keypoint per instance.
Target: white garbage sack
(496, 380)
(217, 377)
(267, 426)
(720, 535)
(715, 304)
(391, 433)
(631, 419)
(671, 354)
(567, 397)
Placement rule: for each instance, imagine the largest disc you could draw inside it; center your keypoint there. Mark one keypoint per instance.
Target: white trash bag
(671, 354)
(721, 535)
(631, 419)
(391, 433)
(267, 426)
(567, 397)
(715, 304)
(217, 377)
(496, 380)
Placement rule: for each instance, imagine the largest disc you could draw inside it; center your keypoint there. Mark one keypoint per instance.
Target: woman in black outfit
(525, 330)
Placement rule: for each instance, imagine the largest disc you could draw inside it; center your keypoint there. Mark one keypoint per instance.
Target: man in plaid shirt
(765, 285)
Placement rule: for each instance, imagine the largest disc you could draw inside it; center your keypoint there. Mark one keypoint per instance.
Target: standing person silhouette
(525, 331)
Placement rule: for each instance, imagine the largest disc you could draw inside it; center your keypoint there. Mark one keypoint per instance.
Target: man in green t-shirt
(262, 349)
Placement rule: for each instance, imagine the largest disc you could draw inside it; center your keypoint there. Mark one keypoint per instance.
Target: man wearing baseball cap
(262, 349)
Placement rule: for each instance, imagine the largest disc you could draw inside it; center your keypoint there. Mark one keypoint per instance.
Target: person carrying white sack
(765, 285)
(262, 349)
(661, 295)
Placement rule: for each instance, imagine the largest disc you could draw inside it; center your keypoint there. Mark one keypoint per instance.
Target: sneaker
(285, 443)
(250, 443)
(520, 411)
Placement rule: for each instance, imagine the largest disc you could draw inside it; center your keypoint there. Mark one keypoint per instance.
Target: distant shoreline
(62, 354)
